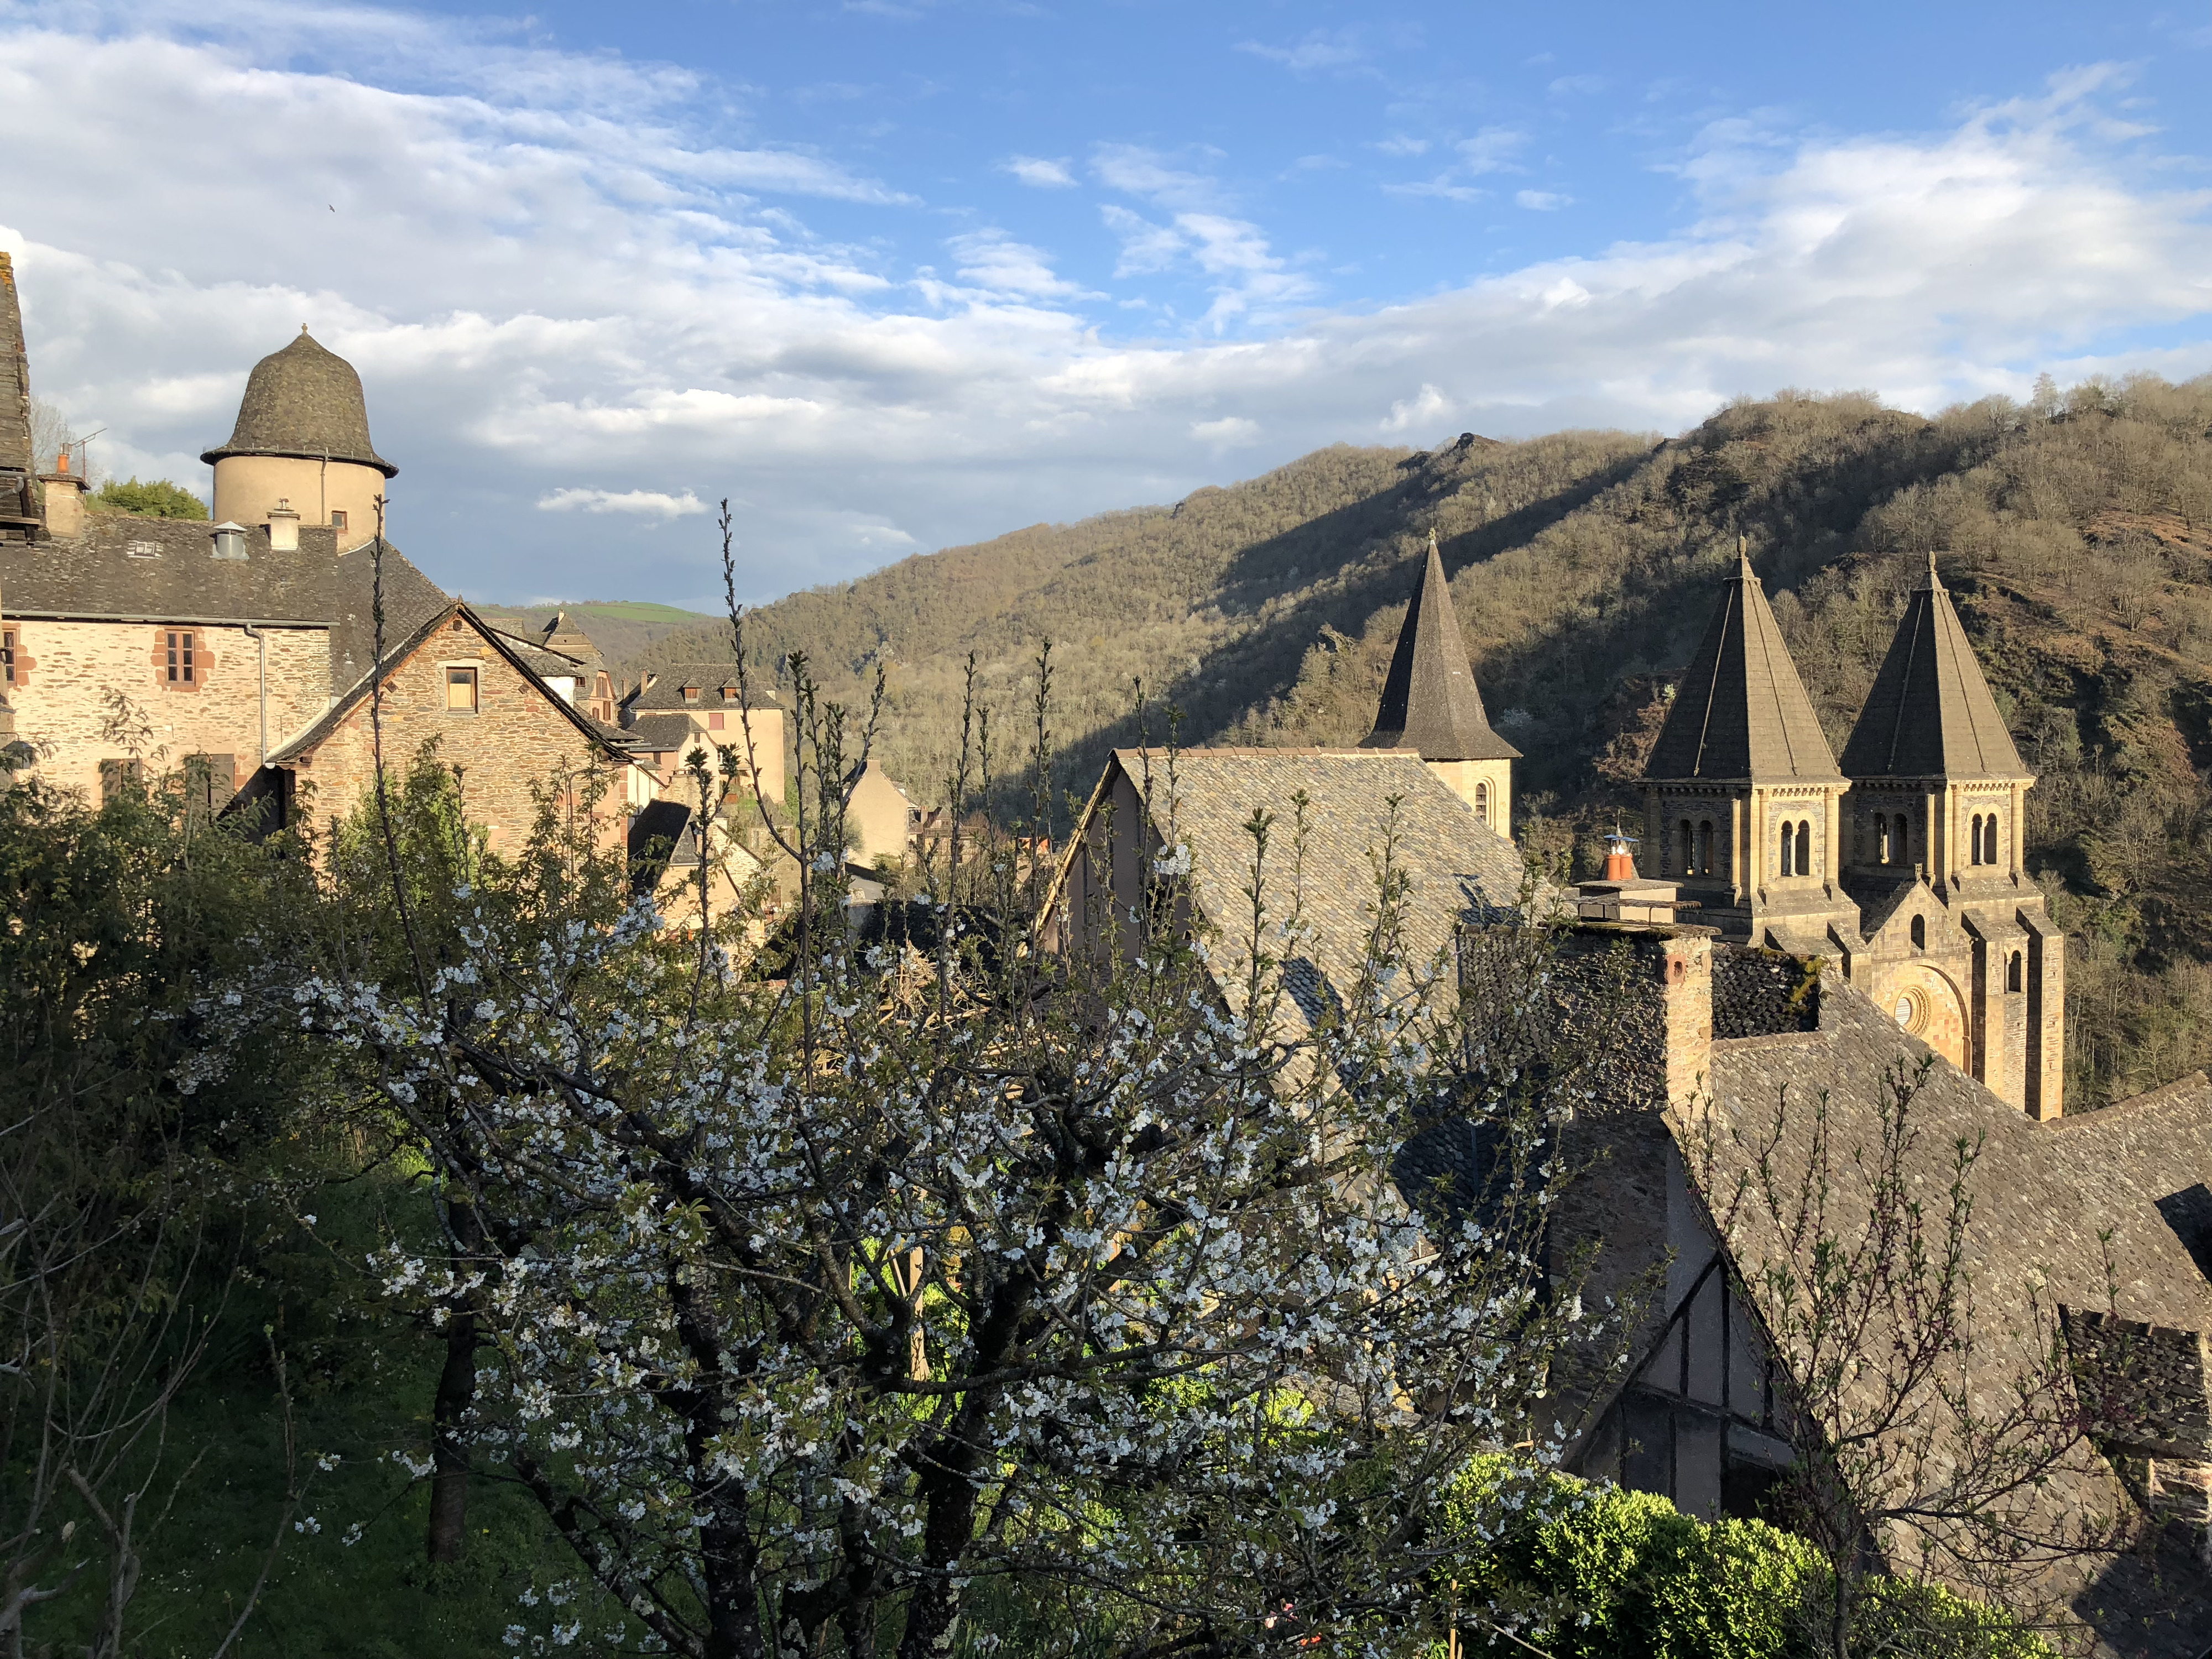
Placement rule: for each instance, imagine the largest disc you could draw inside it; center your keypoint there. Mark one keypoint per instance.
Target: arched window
(1804, 846)
(1705, 846)
(1689, 850)
(1789, 849)
(1482, 803)
(1974, 840)
(2012, 972)
(1902, 846)
(1989, 839)
(1920, 932)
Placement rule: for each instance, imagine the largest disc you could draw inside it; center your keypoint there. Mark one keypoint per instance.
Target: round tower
(302, 438)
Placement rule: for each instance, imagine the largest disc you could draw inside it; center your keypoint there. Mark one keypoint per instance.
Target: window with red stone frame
(181, 659)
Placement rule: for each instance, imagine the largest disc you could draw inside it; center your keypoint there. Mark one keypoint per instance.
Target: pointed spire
(1430, 702)
(1931, 713)
(19, 507)
(1741, 711)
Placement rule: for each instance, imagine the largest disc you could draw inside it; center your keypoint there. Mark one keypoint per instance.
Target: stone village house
(1936, 946)
(240, 653)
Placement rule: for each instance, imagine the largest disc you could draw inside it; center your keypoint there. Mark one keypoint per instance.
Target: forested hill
(2076, 535)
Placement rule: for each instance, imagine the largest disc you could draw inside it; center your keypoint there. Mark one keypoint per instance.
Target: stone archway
(1925, 1002)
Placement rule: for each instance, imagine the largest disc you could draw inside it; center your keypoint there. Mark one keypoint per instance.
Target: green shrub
(1592, 1571)
(157, 498)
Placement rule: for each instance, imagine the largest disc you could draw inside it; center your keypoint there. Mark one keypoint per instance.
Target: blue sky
(894, 276)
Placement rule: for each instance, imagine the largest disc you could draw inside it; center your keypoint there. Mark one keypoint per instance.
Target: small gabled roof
(608, 740)
(1429, 702)
(1930, 714)
(1740, 712)
(664, 690)
(1355, 801)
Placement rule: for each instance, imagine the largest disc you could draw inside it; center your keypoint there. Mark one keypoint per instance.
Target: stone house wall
(516, 737)
(66, 671)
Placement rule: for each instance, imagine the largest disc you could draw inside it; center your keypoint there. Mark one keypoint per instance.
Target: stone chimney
(284, 527)
(64, 492)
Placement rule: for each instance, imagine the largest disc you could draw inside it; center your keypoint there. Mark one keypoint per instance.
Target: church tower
(1742, 796)
(1956, 937)
(301, 453)
(1430, 704)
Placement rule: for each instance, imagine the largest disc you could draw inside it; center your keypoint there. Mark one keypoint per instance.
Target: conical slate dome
(1430, 703)
(1930, 714)
(304, 402)
(1740, 712)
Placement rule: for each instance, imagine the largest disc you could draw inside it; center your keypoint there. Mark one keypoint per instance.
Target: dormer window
(690, 694)
(729, 694)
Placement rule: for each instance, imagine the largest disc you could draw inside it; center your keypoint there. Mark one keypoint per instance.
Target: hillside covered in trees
(2075, 531)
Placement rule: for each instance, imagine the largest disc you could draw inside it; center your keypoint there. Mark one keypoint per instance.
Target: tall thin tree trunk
(449, 1478)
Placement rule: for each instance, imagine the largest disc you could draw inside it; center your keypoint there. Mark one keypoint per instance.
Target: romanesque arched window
(1974, 840)
(1788, 847)
(2012, 972)
(1804, 846)
(1989, 839)
(1689, 850)
(1705, 846)
(1482, 803)
(1902, 846)
(1920, 932)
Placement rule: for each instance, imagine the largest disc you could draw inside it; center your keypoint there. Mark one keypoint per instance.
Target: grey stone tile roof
(666, 693)
(1430, 699)
(1740, 712)
(303, 400)
(2046, 1197)
(127, 569)
(1454, 865)
(663, 733)
(1930, 714)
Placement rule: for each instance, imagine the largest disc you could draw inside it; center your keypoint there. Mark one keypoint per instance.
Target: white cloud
(1321, 49)
(1492, 150)
(1036, 171)
(1429, 404)
(993, 259)
(1398, 145)
(637, 503)
(556, 288)
(1541, 201)
(1578, 84)
(1229, 432)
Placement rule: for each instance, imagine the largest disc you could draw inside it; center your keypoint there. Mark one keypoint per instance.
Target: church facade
(1900, 864)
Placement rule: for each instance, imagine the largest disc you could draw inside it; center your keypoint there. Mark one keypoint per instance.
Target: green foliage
(156, 498)
(1589, 1571)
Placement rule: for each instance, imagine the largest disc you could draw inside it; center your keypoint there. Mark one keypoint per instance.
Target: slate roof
(662, 732)
(1740, 712)
(1930, 714)
(1429, 701)
(306, 401)
(1455, 866)
(127, 569)
(666, 691)
(562, 634)
(2046, 1195)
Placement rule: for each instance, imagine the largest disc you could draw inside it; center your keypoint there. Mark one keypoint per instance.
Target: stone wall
(1762, 994)
(516, 737)
(66, 671)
